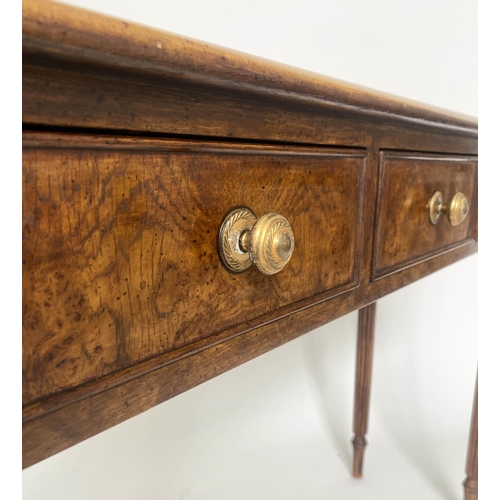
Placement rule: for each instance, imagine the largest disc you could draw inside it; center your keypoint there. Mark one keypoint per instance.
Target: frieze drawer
(424, 208)
(120, 247)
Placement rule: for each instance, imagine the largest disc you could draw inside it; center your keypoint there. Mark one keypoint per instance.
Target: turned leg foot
(359, 444)
(364, 361)
(470, 489)
(471, 468)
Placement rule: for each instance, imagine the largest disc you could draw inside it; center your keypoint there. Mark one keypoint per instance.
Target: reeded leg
(364, 362)
(470, 482)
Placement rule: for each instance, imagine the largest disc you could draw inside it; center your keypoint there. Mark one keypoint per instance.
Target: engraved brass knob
(459, 208)
(266, 242)
(456, 211)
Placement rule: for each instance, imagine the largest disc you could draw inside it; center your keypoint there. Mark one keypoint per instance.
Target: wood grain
(120, 252)
(91, 100)
(404, 234)
(85, 38)
(126, 303)
(364, 364)
(92, 408)
(471, 465)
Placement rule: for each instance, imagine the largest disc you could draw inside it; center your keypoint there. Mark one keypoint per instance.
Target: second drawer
(405, 231)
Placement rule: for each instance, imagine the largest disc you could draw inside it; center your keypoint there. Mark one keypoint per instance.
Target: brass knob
(266, 242)
(459, 208)
(456, 211)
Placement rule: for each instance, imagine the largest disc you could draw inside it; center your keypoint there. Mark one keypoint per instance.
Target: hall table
(187, 208)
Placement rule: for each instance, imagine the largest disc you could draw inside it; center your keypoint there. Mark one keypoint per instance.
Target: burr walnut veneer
(137, 144)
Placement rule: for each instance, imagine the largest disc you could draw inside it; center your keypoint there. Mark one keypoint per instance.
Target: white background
(279, 426)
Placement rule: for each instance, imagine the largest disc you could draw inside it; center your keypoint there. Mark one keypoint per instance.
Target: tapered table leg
(364, 362)
(470, 482)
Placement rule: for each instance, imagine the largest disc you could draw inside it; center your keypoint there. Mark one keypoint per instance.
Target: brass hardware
(266, 242)
(237, 223)
(271, 243)
(457, 210)
(436, 207)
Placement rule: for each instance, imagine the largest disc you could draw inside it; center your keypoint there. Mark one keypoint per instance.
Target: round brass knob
(456, 211)
(267, 242)
(459, 208)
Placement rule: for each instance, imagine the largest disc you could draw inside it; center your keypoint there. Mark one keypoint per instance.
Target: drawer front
(404, 233)
(120, 250)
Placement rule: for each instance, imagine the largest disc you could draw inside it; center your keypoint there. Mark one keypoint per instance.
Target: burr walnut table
(188, 208)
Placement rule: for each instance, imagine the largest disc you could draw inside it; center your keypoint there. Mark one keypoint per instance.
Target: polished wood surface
(137, 143)
(54, 30)
(91, 72)
(364, 364)
(471, 465)
(55, 424)
(120, 253)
